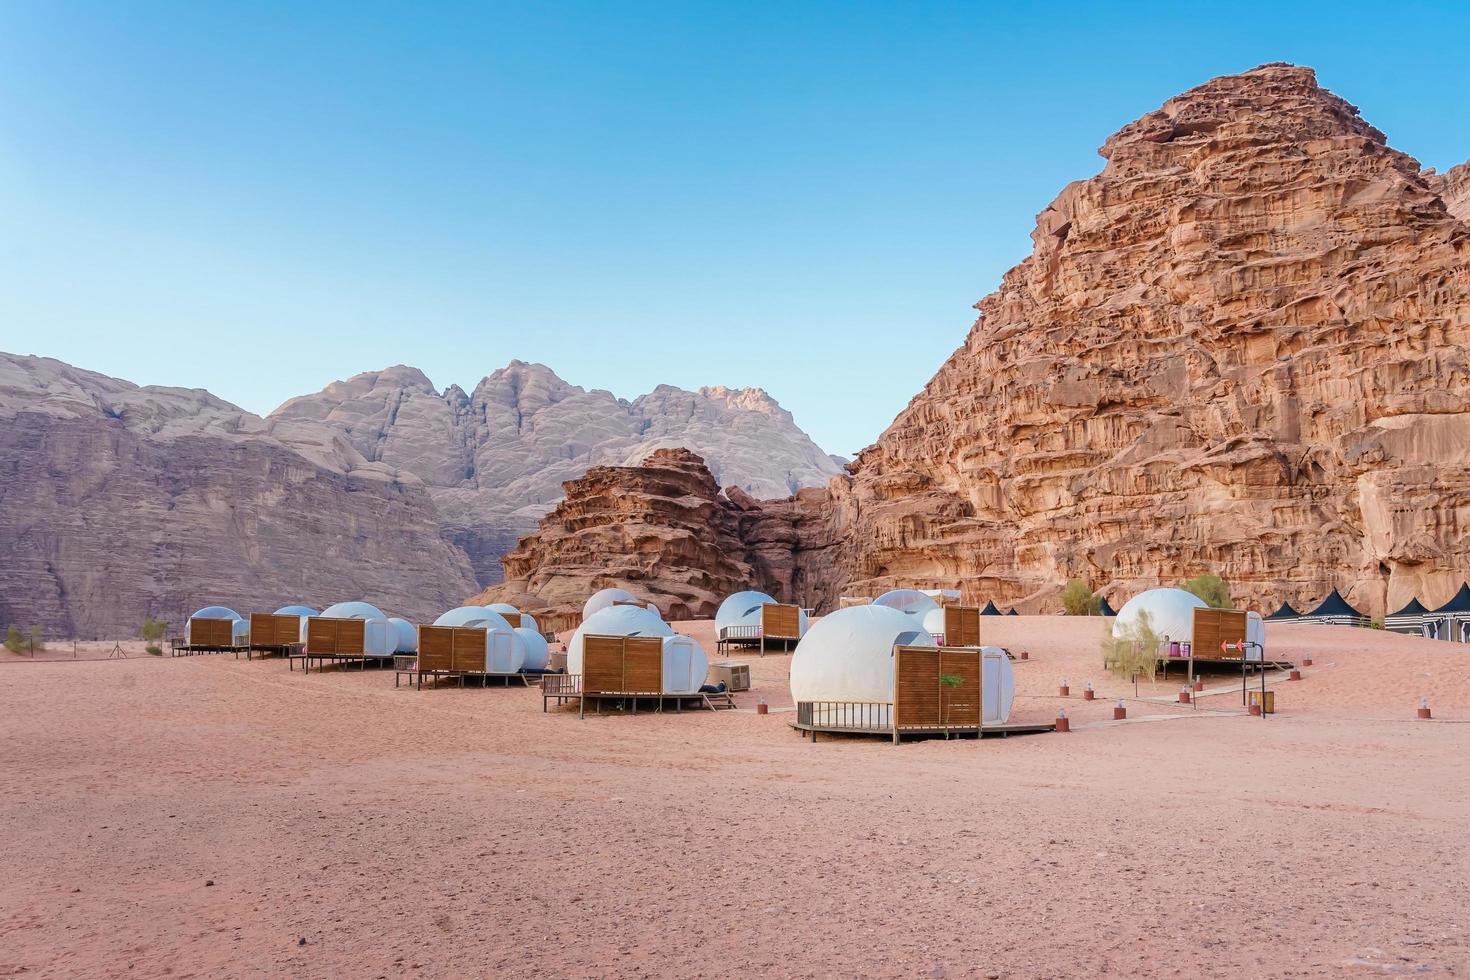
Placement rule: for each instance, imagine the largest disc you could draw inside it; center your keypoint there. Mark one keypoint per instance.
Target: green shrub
(153, 630)
(1135, 653)
(1377, 624)
(154, 649)
(1078, 600)
(14, 642)
(1211, 588)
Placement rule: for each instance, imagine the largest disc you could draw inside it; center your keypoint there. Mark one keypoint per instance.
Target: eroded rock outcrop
(1242, 348)
(119, 502)
(662, 530)
(495, 460)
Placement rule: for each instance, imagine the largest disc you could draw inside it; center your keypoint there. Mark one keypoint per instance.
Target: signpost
(1242, 646)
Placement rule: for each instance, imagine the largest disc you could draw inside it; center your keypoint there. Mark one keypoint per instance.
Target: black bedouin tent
(1414, 608)
(1459, 603)
(1012, 612)
(1333, 607)
(1103, 609)
(1285, 612)
(990, 609)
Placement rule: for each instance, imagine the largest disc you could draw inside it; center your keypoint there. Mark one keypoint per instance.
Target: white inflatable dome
(910, 601)
(848, 655)
(685, 665)
(615, 621)
(1255, 632)
(999, 691)
(482, 617)
(602, 600)
(538, 652)
(238, 632)
(297, 611)
(744, 609)
(933, 621)
(1170, 613)
(504, 651)
(405, 635)
(353, 610)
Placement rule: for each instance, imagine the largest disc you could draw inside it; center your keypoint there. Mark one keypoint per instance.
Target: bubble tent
(844, 672)
(741, 621)
(599, 601)
(239, 630)
(379, 638)
(505, 650)
(1170, 614)
(910, 601)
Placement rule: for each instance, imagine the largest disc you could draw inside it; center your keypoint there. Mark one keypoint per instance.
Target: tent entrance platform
(984, 731)
(416, 677)
(306, 657)
(181, 649)
(564, 688)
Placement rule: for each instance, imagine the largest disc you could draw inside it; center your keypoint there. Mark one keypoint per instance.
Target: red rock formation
(1241, 348)
(661, 530)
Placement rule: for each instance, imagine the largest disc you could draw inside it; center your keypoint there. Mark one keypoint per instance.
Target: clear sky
(260, 198)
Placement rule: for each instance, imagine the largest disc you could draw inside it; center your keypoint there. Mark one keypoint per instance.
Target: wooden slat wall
(921, 700)
(469, 649)
(916, 687)
(436, 648)
(960, 705)
(643, 664)
(321, 635)
(602, 664)
(1211, 626)
(211, 632)
(962, 626)
(268, 629)
(781, 622)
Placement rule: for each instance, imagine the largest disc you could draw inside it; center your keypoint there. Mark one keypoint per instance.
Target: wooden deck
(985, 731)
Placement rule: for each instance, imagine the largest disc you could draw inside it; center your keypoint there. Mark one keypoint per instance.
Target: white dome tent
(843, 669)
(296, 611)
(739, 620)
(538, 651)
(685, 665)
(514, 616)
(606, 598)
(910, 601)
(239, 629)
(1170, 614)
(405, 635)
(378, 639)
(505, 652)
(615, 621)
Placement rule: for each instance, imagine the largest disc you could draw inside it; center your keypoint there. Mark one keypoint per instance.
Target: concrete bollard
(762, 708)
(1065, 690)
(1199, 684)
(1064, 724)
(1025, 655)
(1295, 675)
(1255, 709)
(1184, 695)
(1088, 693)
(1423, 711)
(1306, 661)
(1119, 712)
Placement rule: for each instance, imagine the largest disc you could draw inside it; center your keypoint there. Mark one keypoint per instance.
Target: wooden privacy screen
(922, 699)
(962, 626)
(268, 630)
(780, 622)
(622, 664)
(1212, 626)
(454, 649)
(338, 637)
(211, 632)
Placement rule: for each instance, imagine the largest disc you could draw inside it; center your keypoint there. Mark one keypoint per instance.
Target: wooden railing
(856, 716)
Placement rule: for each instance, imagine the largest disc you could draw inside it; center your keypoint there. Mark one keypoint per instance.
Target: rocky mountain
(660, 529)
(495, 459)
(1453, 186)
(1243, 347)
(119, 502)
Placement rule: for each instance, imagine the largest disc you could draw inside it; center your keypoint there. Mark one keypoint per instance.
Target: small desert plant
(153, 630)
(951, 680)
(38, 642)
(154, 649)
(1377, 624)
(1211, 588)
(1078, 600)
(14, 642)
(1131, 651)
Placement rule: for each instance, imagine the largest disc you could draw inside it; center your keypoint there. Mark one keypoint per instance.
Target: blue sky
(261, 198)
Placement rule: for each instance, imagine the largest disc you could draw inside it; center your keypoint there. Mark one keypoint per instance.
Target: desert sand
(207, 816)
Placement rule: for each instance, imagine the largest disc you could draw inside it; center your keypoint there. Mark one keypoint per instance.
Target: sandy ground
(203, 816)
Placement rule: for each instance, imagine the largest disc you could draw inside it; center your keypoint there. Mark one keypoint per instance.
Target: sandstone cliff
(661, 530)
(1242, 347)
(495, 460)
(119, 502)
(1454, 187)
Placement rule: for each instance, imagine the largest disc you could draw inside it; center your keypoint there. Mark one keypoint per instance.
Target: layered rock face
(1454, 187)
(1241, 348)
(661, 530)
(119, 502)
(495, 460)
